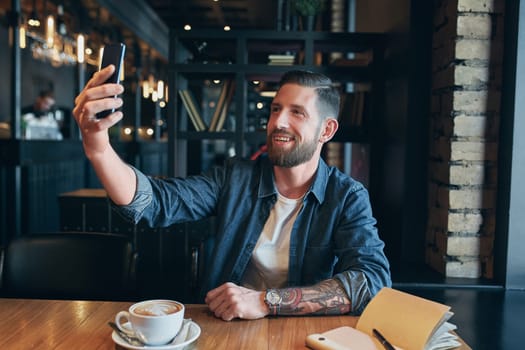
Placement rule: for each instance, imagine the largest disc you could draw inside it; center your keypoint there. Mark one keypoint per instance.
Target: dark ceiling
(238, 14)
(103, 23)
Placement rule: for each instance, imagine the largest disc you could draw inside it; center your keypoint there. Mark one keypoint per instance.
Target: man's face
(45, 103)
(294, 126)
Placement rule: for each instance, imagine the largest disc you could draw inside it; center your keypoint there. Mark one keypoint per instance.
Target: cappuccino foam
(157, 309)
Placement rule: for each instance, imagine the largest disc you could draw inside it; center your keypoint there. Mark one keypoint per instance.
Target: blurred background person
(44, 112)
(44, 103)
(43, 120)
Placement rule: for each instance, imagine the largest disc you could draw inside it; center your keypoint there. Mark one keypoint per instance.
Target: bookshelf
(247, 60)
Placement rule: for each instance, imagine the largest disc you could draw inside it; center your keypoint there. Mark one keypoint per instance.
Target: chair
(96, 266)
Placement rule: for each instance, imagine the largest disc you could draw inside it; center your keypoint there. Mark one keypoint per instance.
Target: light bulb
(80, 48)
(23, 37)
(160, 89)
(145, 89)
(50, 31)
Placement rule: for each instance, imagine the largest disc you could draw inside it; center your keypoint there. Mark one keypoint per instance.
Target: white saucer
(193, 333)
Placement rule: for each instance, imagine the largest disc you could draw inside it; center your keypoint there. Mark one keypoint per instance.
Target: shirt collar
(267, 187)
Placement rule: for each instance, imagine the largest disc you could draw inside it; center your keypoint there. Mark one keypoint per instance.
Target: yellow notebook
(408, 322)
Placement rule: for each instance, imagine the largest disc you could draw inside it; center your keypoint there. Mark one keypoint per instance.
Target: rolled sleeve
(142, 198)
(356, 287)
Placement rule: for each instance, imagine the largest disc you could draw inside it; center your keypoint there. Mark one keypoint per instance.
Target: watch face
(273, 297)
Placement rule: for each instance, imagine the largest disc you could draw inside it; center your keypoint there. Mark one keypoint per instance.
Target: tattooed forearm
(327, 297)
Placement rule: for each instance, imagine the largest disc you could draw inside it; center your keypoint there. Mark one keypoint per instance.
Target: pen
(382, 340)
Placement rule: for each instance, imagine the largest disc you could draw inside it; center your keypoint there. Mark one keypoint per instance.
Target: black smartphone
(112, 54)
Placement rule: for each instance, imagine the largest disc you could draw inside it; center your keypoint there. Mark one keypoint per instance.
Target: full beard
(300, 153)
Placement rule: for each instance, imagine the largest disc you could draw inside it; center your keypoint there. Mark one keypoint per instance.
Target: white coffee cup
(154, 322)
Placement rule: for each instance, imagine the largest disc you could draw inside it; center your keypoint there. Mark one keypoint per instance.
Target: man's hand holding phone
(98, 96)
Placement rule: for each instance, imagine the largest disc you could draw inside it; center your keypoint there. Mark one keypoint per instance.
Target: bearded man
(293, 236)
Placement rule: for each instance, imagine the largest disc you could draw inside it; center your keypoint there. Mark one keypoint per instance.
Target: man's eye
(274, 109)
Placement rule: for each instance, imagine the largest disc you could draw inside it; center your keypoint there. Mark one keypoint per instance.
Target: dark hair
(46, 93)
(328, 97)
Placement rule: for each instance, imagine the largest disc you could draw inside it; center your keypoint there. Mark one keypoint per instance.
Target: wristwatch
(273, 299)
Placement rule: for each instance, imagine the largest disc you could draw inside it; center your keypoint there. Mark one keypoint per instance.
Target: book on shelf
(353, 108)
(281, 60)
(191, 108)
(360, 165)
(221, 108)
(406, 321)
(219, 105)
(362, 59)
(351, 158)
(225, 106)
(195, 109)
(351, 62)
(334, 155)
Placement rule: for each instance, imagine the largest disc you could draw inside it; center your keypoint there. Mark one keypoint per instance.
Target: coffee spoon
(129, 338)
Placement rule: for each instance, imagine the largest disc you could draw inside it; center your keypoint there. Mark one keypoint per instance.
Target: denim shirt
(334, 235)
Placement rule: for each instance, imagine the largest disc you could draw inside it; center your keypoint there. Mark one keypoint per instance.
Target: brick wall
(467, 56)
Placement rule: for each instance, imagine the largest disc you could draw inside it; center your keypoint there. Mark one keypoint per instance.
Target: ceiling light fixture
(33, 20)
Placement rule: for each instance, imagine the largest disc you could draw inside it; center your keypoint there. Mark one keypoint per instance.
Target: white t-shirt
(268, 266)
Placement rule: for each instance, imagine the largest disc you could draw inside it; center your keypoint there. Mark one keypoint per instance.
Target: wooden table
(54, 324)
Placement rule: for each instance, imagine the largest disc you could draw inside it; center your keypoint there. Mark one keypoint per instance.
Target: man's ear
(329, 128)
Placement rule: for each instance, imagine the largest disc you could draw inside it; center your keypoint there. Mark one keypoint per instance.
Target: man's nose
(282, 119)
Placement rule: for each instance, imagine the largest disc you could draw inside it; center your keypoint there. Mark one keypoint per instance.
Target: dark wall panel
(44, 182)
